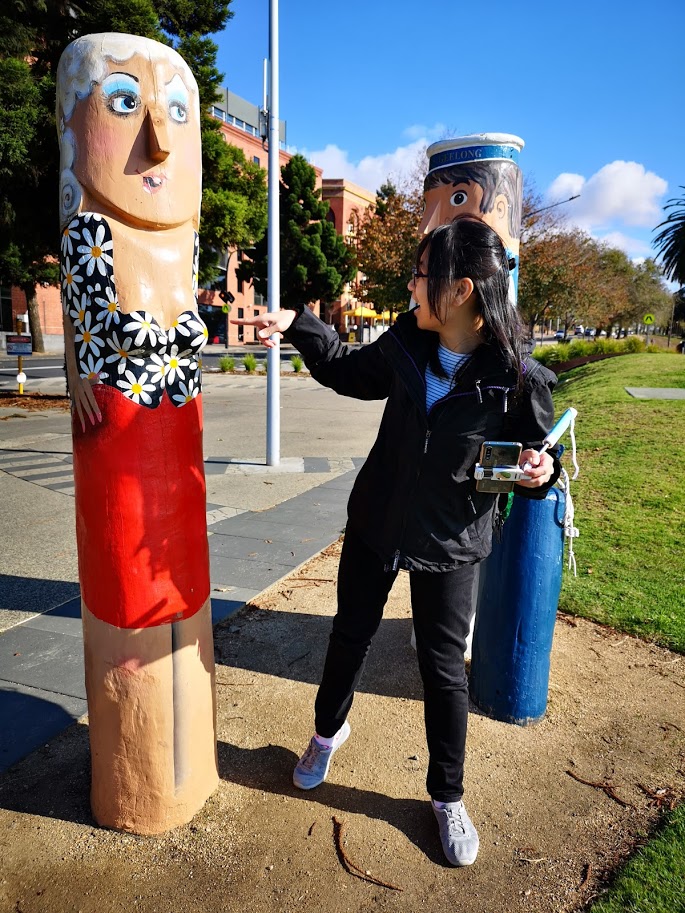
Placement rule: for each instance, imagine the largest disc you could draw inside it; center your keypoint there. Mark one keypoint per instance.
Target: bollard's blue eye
(122, 93)
(178, 100)
(124, 104)
(178, 112)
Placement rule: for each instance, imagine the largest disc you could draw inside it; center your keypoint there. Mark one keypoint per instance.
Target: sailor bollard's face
(138, 151)
(447, 202)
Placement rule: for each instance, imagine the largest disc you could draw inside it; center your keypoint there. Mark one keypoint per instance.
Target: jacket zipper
(425, 444)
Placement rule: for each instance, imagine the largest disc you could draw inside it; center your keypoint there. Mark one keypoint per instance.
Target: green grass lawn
(629, 497)
(654, 879)
(630, 510)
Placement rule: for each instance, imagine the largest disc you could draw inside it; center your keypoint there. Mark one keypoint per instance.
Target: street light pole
(551, 206)
(273, 357)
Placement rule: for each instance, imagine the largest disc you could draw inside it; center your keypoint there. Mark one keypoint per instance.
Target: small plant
(226, 364)
(250, 363)
(633, 344)
(297, 362)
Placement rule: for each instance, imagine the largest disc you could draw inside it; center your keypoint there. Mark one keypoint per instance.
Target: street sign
(648, 320)
(226, 308)
(19, 345)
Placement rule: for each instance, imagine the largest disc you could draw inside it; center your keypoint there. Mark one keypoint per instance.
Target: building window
(255, 159)
(6, 309)
(256, 313)
(241, 328)
(259, 300)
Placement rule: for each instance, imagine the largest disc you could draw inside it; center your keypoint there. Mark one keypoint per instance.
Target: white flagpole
(273, 357)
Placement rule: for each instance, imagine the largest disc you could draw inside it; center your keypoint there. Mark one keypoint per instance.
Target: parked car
(579, 330)
(560, 336)
(590, 332)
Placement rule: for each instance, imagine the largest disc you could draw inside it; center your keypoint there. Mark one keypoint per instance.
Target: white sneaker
(312, 768)
(458, 835)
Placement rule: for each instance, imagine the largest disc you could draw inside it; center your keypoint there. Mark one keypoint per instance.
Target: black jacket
(415, 501)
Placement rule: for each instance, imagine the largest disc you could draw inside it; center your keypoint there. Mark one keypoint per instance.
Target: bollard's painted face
(138, 153)
(447, 202)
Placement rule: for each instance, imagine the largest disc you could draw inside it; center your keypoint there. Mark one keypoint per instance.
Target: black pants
(441, 608)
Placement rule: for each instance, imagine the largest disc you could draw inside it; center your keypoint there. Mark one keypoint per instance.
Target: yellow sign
(226, 308)
(648, 319)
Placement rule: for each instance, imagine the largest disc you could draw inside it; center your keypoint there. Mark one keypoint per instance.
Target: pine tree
(315, 261)
(33, 34)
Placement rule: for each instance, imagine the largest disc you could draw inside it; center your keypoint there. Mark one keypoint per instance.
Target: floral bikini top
(130, 352)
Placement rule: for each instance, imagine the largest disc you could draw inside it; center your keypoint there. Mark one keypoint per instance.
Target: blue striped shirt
(437, 387)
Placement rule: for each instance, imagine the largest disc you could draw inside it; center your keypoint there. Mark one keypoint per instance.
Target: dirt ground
(616, 715)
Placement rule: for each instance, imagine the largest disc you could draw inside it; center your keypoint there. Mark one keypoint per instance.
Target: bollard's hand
(539, 466)
(83, 400)
(269, 324)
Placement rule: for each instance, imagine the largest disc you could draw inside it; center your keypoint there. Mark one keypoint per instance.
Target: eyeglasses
(417, 274)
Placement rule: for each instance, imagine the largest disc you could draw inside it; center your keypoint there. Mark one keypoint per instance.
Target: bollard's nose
(159, 142)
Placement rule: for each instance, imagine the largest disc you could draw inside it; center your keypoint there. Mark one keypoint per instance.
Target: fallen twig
(567, 620)
(607, 788)
(587, 868)
(236, 684)
(293, 661)
(664, 796)
(349, 866)
(311, 828)
(317, 579)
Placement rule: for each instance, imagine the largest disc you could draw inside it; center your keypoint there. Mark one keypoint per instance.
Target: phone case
(498, 453)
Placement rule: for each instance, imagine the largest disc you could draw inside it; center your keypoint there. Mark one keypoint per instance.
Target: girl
(454, 374)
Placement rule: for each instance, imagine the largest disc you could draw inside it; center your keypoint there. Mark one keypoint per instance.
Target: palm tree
(670, 242)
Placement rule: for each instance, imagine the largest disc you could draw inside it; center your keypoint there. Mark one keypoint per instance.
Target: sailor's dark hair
(494, 178)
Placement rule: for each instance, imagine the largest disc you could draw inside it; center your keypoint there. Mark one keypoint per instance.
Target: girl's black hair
(469, 249)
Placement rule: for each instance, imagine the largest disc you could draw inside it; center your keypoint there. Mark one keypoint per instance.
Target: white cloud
(622, 193)
(637, 249)
(426, 134)
(372, 170)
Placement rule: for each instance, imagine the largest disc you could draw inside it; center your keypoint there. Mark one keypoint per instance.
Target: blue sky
(594, 88)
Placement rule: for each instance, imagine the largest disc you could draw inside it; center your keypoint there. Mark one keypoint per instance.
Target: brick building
(242, 125)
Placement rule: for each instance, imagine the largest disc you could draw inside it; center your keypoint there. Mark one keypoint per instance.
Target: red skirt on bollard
(141, 511)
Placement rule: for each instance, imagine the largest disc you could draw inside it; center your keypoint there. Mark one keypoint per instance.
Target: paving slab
(42, 659)
(30, 717)
(656, 392)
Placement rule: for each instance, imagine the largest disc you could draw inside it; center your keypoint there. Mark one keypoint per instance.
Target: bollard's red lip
(153, 182)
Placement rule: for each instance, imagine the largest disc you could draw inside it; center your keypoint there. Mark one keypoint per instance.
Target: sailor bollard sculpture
(130, 183)
(477, 175)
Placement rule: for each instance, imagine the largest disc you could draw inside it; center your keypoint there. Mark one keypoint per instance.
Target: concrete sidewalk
(262, 522)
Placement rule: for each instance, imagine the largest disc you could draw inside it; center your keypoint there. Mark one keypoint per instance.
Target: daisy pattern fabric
(141, 466)
(130, 352)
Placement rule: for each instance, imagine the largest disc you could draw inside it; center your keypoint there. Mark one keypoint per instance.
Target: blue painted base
(517, 603)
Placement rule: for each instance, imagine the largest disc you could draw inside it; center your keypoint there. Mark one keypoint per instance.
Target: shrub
(606, 346)
(226, 364)
(250, 363)
(633, 344)
(578, 348)
(297, 362)
(654, 349)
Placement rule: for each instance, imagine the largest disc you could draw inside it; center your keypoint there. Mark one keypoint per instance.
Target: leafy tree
(557, 276)
(386, 237)
(670, 242)
(315, 260)
(33, 34)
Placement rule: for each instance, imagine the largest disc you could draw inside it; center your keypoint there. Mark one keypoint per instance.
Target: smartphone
(498, 453)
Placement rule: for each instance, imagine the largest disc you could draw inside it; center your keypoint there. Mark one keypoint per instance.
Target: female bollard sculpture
(130, 184)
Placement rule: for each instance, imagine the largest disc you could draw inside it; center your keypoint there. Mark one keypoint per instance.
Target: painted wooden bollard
(130, 183)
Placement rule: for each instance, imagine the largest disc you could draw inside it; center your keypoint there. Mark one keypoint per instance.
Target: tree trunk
(34, 318)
